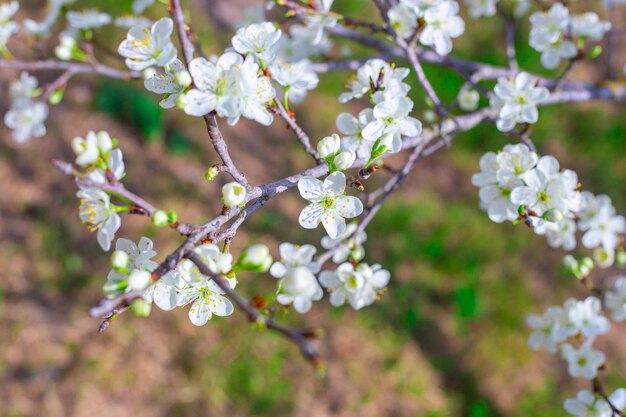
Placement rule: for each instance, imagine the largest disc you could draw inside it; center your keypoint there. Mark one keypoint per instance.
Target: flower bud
(468, 99)
(141, 307)
(233, 194)
(183, 78)
(139, 280)
(119, 260)
(329, 146)
(430, 116)
(211, 173)
(344, 160)
(357, 254)
(552, 216)
(113, 288)
(255, 258)
(104, 141)
(149, 73)
(620, 258)
(160, 218)
(172, 216)
(181, 101)
(603, 258)
(385, 143)
(570, 263)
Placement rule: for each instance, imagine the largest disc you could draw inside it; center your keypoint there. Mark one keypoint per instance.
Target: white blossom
(204, 295)
(127, 22)
(167, 83)
(233, 194)
(328, 203)
(146, 47)
(317, 23)
(296, 270)
(481, 8)
(403, 20)
(549, 329)
(600, 223)
(91, 148)
(419, 7)
(345, 243)
(87, 19)
(360, 286)
(114, 163)
(97, 211)
(547, 35)
(352, 127)
(139, 257)
(516, 101)
(27, 120)
(586, 317)
(582, 362)
(7, 26)
(259, 40)
(587, 404)
(43, 28)
(392, 116)
(441, 25)
(373, 71)
(297, 78)
(139, 6)
(561, 234)
(468, 99)
(589, 26)
(615, 299)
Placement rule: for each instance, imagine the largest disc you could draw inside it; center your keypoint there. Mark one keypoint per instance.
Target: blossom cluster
(556, 34)
(27, 114)
(517, 184)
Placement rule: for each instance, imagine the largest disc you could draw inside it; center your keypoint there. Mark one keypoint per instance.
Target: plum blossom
(171, 83)
(615, 299)
(317, 23)
(441, 25)
(146, 47)
(587, 404)
(352, 127)
(468, 99)
(589, 26)
(586, 317)
(296, 270)
(328, 203)
(561, 234)
(297, 78)
(350, 241)
(597, 218)
(204, 295)
(374, 71)
(7, 27)
(481, 8)
(139, 256)
(359, 286)
(259, 40)
(27, 120)
(547, 35)
(516, 100)
(97, 211)
(92, 147)
(549, 329)
(392, 116)
(87, 19)
(582, 362)
(403, 20)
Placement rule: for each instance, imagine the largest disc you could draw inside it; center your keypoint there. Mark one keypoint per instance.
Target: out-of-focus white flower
(587, 404)
(520, 7)
(419, 7)
(27, 120)
(87, 19)
(139, 6)
(589, 25)
(92, 147)
(481, 8)
(328, 203)
(296, 270)
(549, 329)
(598, 219)
(97, 211)
(146, 47)
(582, 362)
(359, 286)
(259, 40)
(317, 23)
(344, 244)
(7, 27)
(233, 194)
(297, 78)
(441, 25)
(139, 257)
(516, 100)
(615, 299)
(548, 189)
(127, 22)
(561, 234)
(113, 163)
(403, 20)
(468, 99)
(547, 35)
(168, 83)
(374, 71)
(586, 317)
(43, 28)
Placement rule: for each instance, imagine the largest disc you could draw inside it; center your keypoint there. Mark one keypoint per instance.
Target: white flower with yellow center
(97, 211)
(146, 47)
(27, 120)
(171, 83)
(359, 286)
(259, 40)
(204, 295)
(328, 203)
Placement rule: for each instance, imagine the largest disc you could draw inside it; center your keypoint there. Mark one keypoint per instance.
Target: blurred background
(447, 339)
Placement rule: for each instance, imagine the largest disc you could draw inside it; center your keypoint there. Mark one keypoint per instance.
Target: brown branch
(304, 139)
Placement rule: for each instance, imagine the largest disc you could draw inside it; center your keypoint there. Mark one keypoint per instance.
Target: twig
(300, 133)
